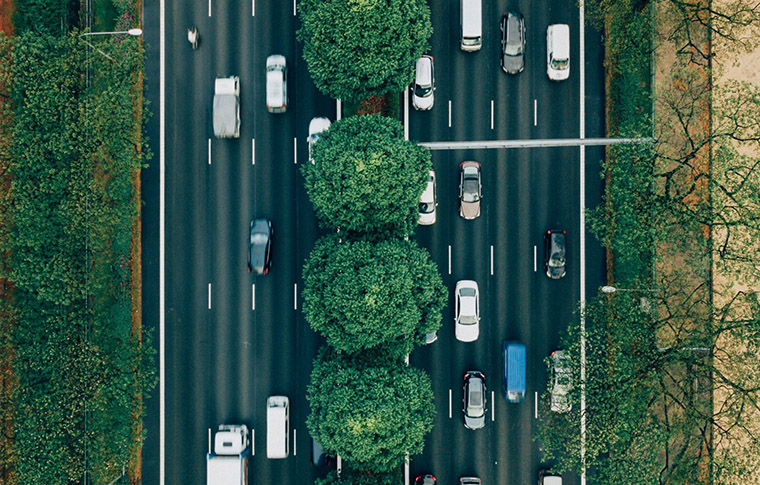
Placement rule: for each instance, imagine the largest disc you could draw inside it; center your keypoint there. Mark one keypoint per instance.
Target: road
(230, 344)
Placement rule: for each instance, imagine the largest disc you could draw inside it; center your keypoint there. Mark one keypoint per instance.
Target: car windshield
(470, 189)
(560, 64)
(426, 208)
(422, 91)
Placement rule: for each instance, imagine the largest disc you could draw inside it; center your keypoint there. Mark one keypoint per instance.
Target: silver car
(316, 126)
(474, 399)
(470, 190)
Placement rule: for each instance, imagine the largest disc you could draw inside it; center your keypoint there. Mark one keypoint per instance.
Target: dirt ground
(6, 10)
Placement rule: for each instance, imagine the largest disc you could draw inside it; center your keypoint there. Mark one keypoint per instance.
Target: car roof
(424, 67)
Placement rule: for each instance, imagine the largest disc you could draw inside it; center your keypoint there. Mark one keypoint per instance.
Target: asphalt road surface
(233, 339)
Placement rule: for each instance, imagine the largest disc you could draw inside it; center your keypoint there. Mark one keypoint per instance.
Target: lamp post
(133, 32)
(646, 303)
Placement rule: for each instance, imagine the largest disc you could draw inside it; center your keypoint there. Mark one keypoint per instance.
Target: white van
(471, 25)
(558, 52)
(278, 427)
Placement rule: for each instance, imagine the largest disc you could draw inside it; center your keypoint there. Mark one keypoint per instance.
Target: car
(558, 52)
(424, 84)
(554, 253)
(512, 42)
(316, 126)
(425, 480)
(474, 399)
(561, 382)
(469, 481)
(428, 201)
(226, 109)
(277, 84)
(429, 338)
(467, 311)
(545, 477)
(470, 190)
(260, 246)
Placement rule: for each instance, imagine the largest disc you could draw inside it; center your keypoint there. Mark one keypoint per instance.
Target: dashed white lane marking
(209, 296)
(449, 258)
(295, 296)
(253, 151)
(295, 150)
(535, 112)
(295, 450)
(209, 441)
(535, 400)
(449, 113)
(449, 403)
(493, 408)
(253, 296)
(253, 8)
(492, 114)
(535, 259)
(253, 441)
(209, 151)
(492, 260)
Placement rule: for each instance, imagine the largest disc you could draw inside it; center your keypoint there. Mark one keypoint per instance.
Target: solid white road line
(253, 8)
(209, 151)
(449, 258)
(492, 114)
(209, 440)
(406, 114)
(161, 243)
(295, 296)
(294, 8)
(535, 401)
(535, 259)
(295, 450)
(295, 150)
(493, 408)
(209, 296)
(535, 112)
(449, 113)
(209, 8)
(449, 403)
(492, 260)
(253, 151)
(338, 109)
(582, 225)
(253, 296)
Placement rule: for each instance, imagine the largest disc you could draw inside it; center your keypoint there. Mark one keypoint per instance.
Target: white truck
(227, 107)
(228, 463)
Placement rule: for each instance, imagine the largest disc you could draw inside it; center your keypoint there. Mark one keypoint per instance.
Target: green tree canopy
(362, 294)
(351, 477)
(358, 48)
(369, 414)
(366, 177)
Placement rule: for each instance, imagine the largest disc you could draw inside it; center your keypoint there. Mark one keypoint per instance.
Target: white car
(558, 52)
(424, 84)
(428, 201)
(467, 311)
(561, 382)
(226, 112)
(277, 84)
(316, 126)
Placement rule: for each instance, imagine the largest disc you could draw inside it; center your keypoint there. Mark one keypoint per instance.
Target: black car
(474, 400)
(512, 42)
(554, 253)
(260, 246)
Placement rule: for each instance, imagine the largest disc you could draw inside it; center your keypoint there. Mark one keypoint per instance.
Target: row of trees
(76, 368)
(672, 371)
(372, 294)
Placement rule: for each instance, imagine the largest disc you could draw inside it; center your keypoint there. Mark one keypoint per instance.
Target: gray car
(470, 190)
(561, 382)
(260, 246)
(512, 42)
(474, 399)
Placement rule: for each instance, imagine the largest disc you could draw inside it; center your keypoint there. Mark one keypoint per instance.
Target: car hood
(470, 210)
(427, 219)
(555, 272)
(423, 103)
(475, 423)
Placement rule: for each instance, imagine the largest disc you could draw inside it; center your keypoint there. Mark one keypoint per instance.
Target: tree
(351, 477)
(357, 49)
(362, 295)
(366, 177)
(369, 414)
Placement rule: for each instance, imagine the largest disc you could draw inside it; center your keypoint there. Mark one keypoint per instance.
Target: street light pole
(133, 32)
(612, 289)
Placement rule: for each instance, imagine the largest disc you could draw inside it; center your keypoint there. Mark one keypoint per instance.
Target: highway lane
(229, 345)
(525, 193)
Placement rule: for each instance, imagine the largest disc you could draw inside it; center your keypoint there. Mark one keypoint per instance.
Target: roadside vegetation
(78, 363)
(673, 337)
